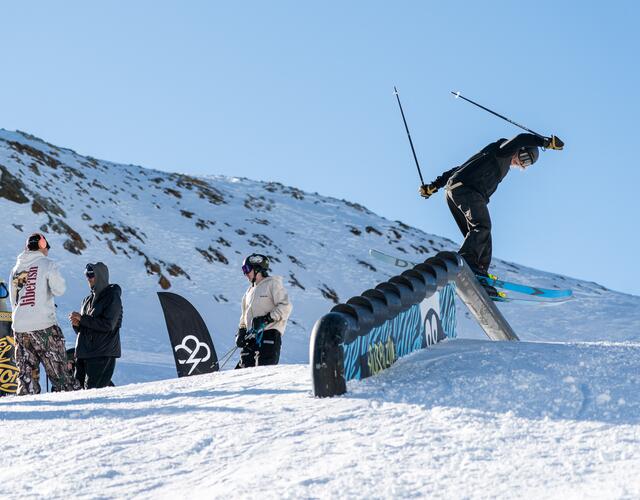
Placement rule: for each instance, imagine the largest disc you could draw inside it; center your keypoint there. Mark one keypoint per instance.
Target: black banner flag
(193, 349)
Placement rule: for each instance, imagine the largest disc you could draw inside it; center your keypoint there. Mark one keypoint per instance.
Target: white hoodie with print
(35, 281)
(266, 297)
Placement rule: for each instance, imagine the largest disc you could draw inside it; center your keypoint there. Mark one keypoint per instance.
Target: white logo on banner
(193, 353)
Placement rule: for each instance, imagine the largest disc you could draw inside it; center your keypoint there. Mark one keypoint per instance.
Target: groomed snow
(466, 419)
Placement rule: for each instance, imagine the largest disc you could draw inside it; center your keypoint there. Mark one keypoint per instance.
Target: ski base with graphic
(8, 368)
(535, 293)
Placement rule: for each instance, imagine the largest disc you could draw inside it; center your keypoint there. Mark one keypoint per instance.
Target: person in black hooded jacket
(98, 328)
(470, 185)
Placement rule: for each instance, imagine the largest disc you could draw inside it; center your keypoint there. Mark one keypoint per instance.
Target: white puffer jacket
(266, 297)
(35, 281)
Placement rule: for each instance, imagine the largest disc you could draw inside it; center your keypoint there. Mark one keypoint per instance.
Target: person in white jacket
(265, 311)
(35, 281)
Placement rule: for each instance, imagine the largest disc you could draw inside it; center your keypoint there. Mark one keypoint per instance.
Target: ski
(507, 297)
(390, 259)
(525, 289)
(525, 292)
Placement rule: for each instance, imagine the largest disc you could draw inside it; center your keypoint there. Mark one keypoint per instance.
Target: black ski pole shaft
(457, 94)
(228, 357)
(225, 357)
(229, 352)
(395, 91)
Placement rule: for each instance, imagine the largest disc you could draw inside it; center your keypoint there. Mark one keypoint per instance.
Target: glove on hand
(241, 337)
(259, 322)
(426, 190)
(553, 142)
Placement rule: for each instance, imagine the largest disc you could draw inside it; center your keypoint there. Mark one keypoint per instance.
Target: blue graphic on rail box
(416, 328)
(448, 310)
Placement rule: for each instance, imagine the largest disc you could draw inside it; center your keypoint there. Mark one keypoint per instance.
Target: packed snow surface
(465, 419)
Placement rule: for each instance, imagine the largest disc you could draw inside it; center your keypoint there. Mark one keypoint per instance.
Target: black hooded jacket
(486, 169)
(99, 329)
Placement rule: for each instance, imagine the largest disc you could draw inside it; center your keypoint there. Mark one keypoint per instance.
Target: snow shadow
(104, 403)
(578, 381)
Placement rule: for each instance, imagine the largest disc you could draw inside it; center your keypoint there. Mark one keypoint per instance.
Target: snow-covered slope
(465, 419)
(555, 416)
(157, 230)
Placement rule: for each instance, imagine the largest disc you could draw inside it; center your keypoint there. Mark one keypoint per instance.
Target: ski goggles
(89, 271)
(525, 158)
(247, 268)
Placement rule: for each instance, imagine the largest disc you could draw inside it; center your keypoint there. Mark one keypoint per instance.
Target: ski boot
(491, 290)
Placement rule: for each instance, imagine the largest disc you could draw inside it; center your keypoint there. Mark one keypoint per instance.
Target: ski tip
(457, 94)
(395, 90)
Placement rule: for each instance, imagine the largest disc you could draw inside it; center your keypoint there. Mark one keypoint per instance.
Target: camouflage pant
(46, 347)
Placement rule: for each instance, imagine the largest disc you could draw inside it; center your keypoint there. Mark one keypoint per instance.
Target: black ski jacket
(486, 169)
(99, 329)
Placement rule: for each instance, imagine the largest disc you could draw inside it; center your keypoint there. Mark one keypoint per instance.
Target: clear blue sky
(301, 93)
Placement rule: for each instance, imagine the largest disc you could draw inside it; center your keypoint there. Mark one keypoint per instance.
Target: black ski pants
(268, 353)
(469, 209)
(94, 373)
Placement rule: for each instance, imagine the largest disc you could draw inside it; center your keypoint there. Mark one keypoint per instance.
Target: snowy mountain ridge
(166, 231)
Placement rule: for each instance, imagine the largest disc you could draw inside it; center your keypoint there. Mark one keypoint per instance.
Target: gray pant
(469, 209)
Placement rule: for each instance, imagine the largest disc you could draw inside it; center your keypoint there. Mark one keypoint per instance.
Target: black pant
(267, 353)
(94, 373)
(469, 209)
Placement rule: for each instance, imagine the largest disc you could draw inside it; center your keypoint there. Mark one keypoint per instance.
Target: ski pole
(395, 91)
(457, 94)
(227, 356)
(224, 356)
(230, 351)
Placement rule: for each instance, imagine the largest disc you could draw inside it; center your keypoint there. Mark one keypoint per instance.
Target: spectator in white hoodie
(35, 281)
(265, 311)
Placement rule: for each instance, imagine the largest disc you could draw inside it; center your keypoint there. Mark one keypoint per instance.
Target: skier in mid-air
(470, 185)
